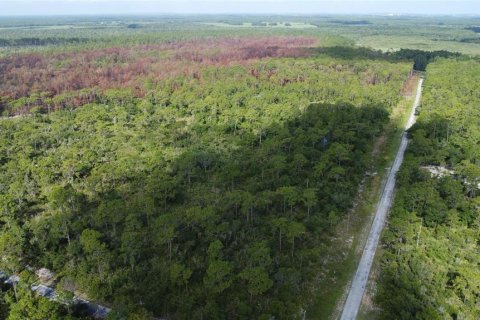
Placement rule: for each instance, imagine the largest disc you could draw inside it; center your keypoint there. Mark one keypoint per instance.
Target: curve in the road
(359, 282)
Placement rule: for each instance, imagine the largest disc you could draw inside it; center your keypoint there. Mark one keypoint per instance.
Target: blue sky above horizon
(104, 7)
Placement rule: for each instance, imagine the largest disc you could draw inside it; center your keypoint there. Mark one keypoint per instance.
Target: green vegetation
(39, 41)
(351, 234)
(202, 167)
(455, 34)
(216, 189)
(420, 58)
(351, 22)
(430, 265)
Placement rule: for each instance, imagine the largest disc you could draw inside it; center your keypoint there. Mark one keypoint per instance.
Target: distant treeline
(255, 23)
(39, 41)
(470, 40)
(134, 26)
(474, 29)
(351, 22)
(420, 58)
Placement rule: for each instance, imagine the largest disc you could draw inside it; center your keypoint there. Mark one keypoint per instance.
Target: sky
(103, 7)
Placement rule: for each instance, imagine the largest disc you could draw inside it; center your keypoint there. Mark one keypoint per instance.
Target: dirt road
(359, 282)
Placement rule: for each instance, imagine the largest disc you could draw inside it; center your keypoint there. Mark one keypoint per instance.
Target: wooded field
(180, 168)
(206, 192)
(430, 269)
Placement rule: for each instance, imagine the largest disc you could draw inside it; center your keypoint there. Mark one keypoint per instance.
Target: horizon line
(172, 13)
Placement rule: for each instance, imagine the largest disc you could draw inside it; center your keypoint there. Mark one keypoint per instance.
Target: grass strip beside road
(346, 246)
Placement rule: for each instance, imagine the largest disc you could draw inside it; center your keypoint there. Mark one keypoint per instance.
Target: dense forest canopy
(198, 167)
(430, 269)
(213, 188)
(37, 80)
(45, 83)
